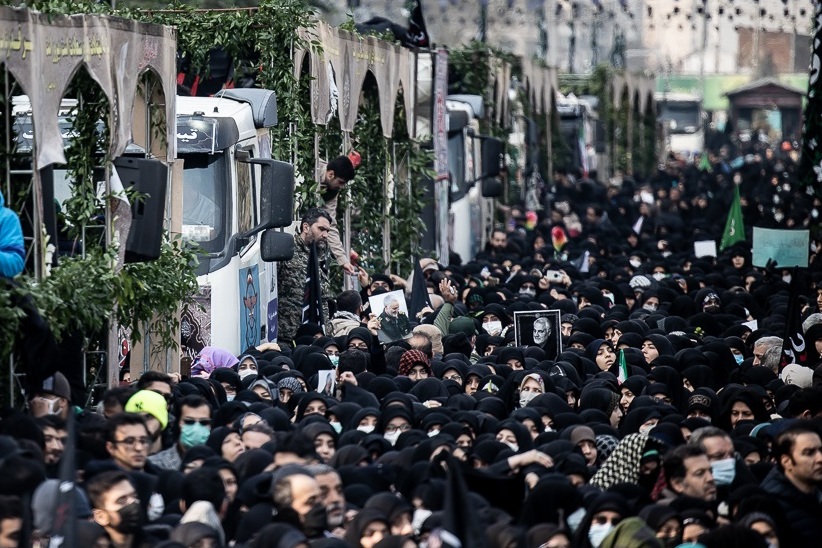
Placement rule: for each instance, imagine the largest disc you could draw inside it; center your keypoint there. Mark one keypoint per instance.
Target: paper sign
(753, 324)
(786, 247)
(705, 248)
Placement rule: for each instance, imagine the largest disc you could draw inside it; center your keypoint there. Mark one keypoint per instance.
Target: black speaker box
(149, 178)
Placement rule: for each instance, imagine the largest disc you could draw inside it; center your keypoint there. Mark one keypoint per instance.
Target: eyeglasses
(204, 422)
(132, 442)
(390, 429)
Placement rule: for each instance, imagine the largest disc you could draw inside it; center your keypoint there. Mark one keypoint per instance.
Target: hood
(2, 200)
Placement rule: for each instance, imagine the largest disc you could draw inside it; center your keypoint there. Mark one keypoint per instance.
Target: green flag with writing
(734, 228)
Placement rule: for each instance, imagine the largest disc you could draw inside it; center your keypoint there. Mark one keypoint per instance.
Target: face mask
(366, 429)
(336, 426)
(526, 397)
(335, 360)
(433, 433)
(635, 263)
(528, 292)
(739, 358)
(786, 279)
(156, 507)
(724, 471)
(597, 533)
(575, 518)
(650, 307)
(230, 397)
(193, 434)
(645, 428)
(246, 372)
(392, 438)
(130, 519)
(420, 515)
(658, 276)
(514, 447)
(492, 328)
(315, 521)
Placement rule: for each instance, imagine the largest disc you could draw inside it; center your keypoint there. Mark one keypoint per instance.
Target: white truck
(232, 190)
(683, 119)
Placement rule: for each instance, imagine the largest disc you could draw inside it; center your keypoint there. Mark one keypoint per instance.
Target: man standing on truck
(338, 172)
(315, 227)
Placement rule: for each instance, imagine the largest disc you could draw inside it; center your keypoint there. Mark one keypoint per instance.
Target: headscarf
(623, 464)
(410, 358)
(210, 358)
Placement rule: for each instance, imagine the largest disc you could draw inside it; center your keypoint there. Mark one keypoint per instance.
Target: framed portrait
(539, 328)
(392, 312)
(326, 382)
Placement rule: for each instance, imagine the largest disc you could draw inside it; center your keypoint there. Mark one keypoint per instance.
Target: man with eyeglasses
(194, 429)
(128, 441)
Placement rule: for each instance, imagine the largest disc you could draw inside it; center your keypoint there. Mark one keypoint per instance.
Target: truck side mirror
(276, 246)
(276, 193)
(492, 159)
(491, 187)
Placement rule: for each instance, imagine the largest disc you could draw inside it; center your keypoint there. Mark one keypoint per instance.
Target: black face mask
(648, 481)
(315, 521)
(131, 518)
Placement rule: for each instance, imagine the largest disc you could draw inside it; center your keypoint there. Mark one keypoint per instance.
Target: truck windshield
(685, 116)
(205, 211)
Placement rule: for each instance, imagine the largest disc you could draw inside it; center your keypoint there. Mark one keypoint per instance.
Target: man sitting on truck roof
(339, 171)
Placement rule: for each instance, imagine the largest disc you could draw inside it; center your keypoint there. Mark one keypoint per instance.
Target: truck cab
(683, 119)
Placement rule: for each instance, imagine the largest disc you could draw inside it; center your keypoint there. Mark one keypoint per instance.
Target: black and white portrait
(539, 328)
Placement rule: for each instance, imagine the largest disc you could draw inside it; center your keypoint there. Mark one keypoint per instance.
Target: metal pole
(348, 282)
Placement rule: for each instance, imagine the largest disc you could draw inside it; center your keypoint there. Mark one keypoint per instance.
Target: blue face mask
(194, 434)
(739, 358)
(597, 533)
(335, 360)
(724, 471)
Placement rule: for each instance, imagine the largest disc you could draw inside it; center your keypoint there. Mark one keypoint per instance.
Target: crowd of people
(664, 417)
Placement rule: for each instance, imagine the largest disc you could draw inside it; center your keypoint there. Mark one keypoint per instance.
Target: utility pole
(572, 46)
(704, 49)
(482, 34)
(594, 34)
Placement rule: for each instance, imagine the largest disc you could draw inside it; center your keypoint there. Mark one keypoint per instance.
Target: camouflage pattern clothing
(291, 290)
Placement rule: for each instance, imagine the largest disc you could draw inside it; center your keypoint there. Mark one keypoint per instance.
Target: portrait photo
(539, 328)
(326, 382)
(392, 312)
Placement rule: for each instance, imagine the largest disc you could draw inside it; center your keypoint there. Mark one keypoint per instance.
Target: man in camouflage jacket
(314, 227)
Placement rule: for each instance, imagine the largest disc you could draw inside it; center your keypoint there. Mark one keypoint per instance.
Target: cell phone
(553, 276)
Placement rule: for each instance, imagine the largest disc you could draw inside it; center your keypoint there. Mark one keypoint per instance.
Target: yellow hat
(150, 403)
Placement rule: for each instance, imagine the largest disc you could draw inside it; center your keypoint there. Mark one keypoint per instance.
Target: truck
(582, 134)
(683, 119)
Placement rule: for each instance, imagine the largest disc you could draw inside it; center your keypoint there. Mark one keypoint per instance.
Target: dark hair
(51, 421)
(805, 399)
(123, 419)
(194, 401)
(297, 444)
(674, 461)
(427, 347)
(342, 167)
(150, 377)
(349, 301)
(100, 484)
(204, 484)
(10, 507)
(313, 215)
(786, 440)
(353, 360)
(119, 395)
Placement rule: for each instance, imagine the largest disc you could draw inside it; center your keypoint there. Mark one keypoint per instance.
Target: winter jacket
(12, 252)
(802, 511)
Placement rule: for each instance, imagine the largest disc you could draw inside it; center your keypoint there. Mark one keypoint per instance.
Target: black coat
(803, 512)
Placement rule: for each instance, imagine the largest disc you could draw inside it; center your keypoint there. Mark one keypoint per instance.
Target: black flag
(419, 292)
(65, 518)
(417, 32)
(794, 349)
(811, 157)
(313, 292)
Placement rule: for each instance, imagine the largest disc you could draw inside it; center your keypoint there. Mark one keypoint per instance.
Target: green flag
(734, 227)
(623, 368)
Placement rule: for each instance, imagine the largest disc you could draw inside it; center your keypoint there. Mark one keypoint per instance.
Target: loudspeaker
(149, 178)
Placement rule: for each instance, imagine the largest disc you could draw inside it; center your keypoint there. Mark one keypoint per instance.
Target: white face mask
(366, 429)
(659, 276)
(650, 307)
(230, 397)
(786, 278)
(420, 515)
(492, 328)
(526, 397)
(575, 518)
(597, 533)
(645, 428)
(392, 438)
(529, 292)
(514, 447)
(246, 372)
(156, 506)
(433, 433)
(635, 263)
